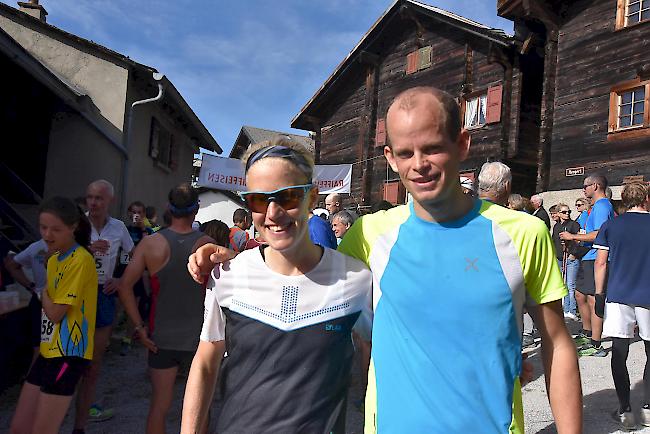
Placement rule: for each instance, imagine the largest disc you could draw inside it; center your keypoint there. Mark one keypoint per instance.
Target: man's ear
(463, 143)
(390, 158)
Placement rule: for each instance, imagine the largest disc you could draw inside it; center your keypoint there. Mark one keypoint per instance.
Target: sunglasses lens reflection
(290, 198)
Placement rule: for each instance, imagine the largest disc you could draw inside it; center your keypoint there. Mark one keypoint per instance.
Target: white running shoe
(645, 416)
(626, 419)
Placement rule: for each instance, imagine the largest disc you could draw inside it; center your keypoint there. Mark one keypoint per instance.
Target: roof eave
(204, 139)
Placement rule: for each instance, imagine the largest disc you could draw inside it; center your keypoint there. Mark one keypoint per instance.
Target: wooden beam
(368, 58)
(534, 9)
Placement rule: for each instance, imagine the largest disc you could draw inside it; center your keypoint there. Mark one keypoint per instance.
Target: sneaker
(590, 350)
(581, 340)
(98, 414)
(626, 419)
(527, 341)
(645, 415)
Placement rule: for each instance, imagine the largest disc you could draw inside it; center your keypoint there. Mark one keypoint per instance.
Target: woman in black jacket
(573, 252)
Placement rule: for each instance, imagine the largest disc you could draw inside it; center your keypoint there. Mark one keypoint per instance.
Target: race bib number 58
(47, 328)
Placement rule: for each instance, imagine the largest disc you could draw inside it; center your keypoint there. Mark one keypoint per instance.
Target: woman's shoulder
(348, 263)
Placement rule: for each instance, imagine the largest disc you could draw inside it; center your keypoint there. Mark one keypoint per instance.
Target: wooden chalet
(595, 114)
(416, 44)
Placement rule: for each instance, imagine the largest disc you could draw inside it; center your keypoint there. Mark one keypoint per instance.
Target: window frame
(614, 96)
(622, 15)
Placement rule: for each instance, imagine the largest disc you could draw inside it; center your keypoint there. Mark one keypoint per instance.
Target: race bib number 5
(47, 328)
(101, 264)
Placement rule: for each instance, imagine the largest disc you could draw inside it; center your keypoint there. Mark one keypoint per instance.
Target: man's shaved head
(448, 109)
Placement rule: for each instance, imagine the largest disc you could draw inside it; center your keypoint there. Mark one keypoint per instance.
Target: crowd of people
(273, 320)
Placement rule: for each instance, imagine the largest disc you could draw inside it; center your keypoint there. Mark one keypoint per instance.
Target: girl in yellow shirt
(67, 321)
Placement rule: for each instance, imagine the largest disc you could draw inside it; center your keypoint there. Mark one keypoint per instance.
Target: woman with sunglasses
(568, 255)
(283, 312)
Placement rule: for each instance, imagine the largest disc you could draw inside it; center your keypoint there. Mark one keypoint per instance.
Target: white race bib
(124, 258)
(101, 264)
(47, 328)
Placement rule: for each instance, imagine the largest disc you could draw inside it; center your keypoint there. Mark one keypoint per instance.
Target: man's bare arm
(133, 272)
(560, 368)
(600, 270)
(16, 271)
(201, 382)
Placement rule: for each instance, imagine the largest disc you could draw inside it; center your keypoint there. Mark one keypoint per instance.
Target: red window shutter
(380, 132)
(391, 192)
(493, 110)
(412, 62)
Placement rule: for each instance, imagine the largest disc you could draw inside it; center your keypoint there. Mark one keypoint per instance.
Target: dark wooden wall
(350, 113)
(593, 57)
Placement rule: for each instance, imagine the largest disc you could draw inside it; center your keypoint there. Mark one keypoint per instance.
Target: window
(629, 106)
(160, 144)
(475, 111)
(630, 12)
(637, 11)
(419, 59)
(483, 107)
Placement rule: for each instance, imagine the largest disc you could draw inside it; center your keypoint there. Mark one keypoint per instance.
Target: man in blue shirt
(588, 340)
(625, 242)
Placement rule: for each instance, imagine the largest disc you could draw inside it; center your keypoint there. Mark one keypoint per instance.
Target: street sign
(575, 171)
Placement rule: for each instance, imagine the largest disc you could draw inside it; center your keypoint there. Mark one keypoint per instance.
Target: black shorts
(586, 283)
(165, 359)
(58, 375)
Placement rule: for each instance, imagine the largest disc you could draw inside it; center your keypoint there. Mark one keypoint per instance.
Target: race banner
(335, 178)
(228, 174)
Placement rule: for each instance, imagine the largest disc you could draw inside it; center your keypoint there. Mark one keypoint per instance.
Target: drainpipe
(127, 137)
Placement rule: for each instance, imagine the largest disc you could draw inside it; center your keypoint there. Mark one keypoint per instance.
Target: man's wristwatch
(138, 328)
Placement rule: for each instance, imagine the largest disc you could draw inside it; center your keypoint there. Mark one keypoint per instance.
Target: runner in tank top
(177, 301)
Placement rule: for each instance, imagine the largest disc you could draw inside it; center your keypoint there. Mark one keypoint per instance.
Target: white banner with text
(228, 174)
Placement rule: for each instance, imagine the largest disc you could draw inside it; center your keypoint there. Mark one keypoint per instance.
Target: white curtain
(483, 108)
(471, 107)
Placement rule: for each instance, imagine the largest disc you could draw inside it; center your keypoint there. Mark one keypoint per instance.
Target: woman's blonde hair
(301, 158)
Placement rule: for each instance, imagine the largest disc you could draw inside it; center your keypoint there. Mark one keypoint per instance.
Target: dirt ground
(124, 386)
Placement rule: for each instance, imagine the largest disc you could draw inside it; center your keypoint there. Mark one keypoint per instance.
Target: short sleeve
(600, 214)
(601, 242)
(354, 243)
(214, 321)
(24, 258)
(321, 233)
(542, 275)
(126, 240)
